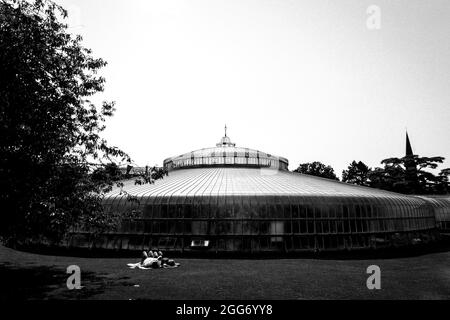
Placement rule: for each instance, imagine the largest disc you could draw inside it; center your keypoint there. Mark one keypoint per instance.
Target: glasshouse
(233, 199)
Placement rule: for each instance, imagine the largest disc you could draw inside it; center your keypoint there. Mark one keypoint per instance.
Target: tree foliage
(317, 169)
(357, 173)
(49, 128)
(409, 175)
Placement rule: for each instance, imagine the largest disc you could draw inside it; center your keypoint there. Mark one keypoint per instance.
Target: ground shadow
(47, 283)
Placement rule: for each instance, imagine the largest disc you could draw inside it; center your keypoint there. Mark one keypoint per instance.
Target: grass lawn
(33, 276)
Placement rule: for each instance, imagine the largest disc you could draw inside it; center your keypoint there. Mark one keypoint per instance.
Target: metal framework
(231, 199)
(259, 209)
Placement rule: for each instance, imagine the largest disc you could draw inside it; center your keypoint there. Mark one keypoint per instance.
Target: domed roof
(244, 200)
(226, 154)
(218, 181)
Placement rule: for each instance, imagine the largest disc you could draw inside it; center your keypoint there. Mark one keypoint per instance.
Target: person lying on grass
(153, 260)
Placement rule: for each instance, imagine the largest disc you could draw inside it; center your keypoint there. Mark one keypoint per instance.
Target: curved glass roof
(225, 153)
(208, 182)
(245, 200)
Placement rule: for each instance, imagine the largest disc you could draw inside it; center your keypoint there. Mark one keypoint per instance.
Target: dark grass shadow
(48, 283)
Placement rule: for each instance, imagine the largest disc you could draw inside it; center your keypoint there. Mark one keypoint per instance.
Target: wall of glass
(441, 207)
(270, 223)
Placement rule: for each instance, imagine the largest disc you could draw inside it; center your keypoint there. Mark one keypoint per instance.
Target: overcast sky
(306, 80)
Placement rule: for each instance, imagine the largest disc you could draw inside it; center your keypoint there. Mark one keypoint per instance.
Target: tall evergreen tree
(395, 175)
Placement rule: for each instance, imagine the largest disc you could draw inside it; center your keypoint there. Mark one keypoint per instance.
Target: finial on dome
(225, 141)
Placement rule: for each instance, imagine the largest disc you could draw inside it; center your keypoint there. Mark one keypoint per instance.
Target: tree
(427, 181)
(409, 175)
(317, 169)
(49, 129)
(443, 186)
(357, 173)
(387, 178)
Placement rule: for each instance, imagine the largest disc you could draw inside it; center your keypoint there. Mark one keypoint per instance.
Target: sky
(306, 80)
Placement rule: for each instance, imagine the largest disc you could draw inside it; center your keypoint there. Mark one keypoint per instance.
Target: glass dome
(225, 153)
(233, 199)
(249, 210)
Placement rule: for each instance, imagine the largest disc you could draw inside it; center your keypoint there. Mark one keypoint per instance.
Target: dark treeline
(407, 175)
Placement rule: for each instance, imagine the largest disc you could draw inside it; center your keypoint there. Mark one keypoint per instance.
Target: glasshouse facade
(441, 207)
(232, 199)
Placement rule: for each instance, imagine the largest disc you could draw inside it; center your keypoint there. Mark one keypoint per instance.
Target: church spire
(411, 178)
(409, 151)
(225, 130)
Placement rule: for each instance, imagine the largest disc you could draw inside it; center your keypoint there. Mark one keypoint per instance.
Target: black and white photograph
(223, 155)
